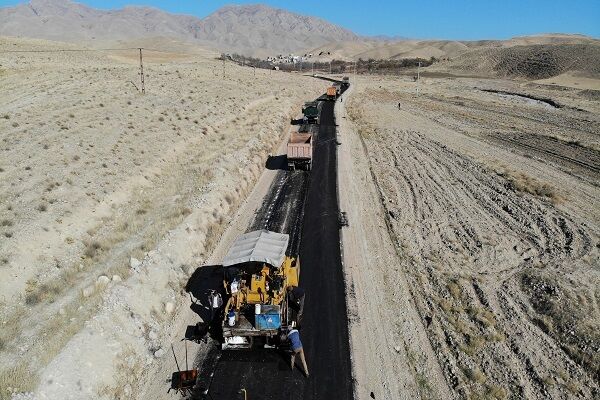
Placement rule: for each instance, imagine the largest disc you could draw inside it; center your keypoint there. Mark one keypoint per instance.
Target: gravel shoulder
(391, 354)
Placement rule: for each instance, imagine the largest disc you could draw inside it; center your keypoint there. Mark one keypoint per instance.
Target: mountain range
(250, 29)
(260, 31)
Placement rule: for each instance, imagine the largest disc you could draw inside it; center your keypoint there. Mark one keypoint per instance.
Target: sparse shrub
(161, 118)
(549, 381)
(6, 116)
(14, 124)
(455, 290)
(522, 182)
(496, 392)
(42, 207)
(476, 375)
(482, 316)
(6, 222)
(474, 344)
(92, 248)
(8, 234)
(572, 387)
(71, 115)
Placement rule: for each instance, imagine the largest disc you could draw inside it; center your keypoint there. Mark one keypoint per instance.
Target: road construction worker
(294, 338)
(215, 302)
(296, 300)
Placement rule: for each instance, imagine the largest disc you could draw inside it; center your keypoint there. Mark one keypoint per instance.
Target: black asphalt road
(312, 200)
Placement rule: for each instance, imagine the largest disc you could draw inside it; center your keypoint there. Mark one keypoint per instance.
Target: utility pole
(418, 76)
(143, 85)
(254, 71)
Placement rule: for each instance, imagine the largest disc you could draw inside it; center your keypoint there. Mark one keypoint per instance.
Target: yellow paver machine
(257, 275)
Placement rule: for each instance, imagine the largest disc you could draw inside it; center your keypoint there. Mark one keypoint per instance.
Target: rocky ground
(490, 202)
(109, 198)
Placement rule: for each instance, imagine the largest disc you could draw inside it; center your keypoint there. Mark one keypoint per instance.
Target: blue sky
(443, 19)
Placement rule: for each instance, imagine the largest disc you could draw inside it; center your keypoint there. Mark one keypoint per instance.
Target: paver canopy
(258, 246)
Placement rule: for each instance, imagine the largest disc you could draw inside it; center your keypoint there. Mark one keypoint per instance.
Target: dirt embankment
(498, 241)
(108, 197)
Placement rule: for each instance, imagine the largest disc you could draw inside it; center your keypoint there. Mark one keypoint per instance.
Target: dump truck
(310, 111)
(331, 93)
(346, 81)
(338, 88)
(300, 148)
(257, 274)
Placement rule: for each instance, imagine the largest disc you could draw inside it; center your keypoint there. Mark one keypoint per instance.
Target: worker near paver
(294, 338)
(296, 300)
(215, 302)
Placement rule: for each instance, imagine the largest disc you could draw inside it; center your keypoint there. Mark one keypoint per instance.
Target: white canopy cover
(259, 246)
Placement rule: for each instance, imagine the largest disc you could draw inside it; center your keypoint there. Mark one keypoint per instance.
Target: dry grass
(563, 312)
(42, 293)
(521, 182)
(475, 375)
(482, 316)
(15, 379)
(455, 290)
(496, 392)
(473, 345)
(92, 248)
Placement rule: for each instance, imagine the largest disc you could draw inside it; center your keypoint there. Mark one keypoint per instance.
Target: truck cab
(310, 111)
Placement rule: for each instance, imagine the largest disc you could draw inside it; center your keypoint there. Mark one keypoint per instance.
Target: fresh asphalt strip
(265, 374)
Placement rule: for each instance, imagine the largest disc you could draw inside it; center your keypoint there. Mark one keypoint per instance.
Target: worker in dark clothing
(294, 338)
(296, 300)
(214, 302)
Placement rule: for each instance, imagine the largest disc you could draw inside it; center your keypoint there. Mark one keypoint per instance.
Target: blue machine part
(269, 318)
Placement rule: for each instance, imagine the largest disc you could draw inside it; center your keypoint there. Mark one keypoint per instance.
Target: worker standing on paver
(294, 338)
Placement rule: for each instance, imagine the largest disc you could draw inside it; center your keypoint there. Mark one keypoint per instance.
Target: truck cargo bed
(299, 150)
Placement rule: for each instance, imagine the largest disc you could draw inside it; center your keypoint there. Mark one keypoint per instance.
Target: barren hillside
(534, 61)
(108, 198)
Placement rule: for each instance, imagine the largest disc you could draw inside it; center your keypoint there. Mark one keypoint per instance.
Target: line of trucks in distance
(259, 278)
(260, 281)
(300, 144)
